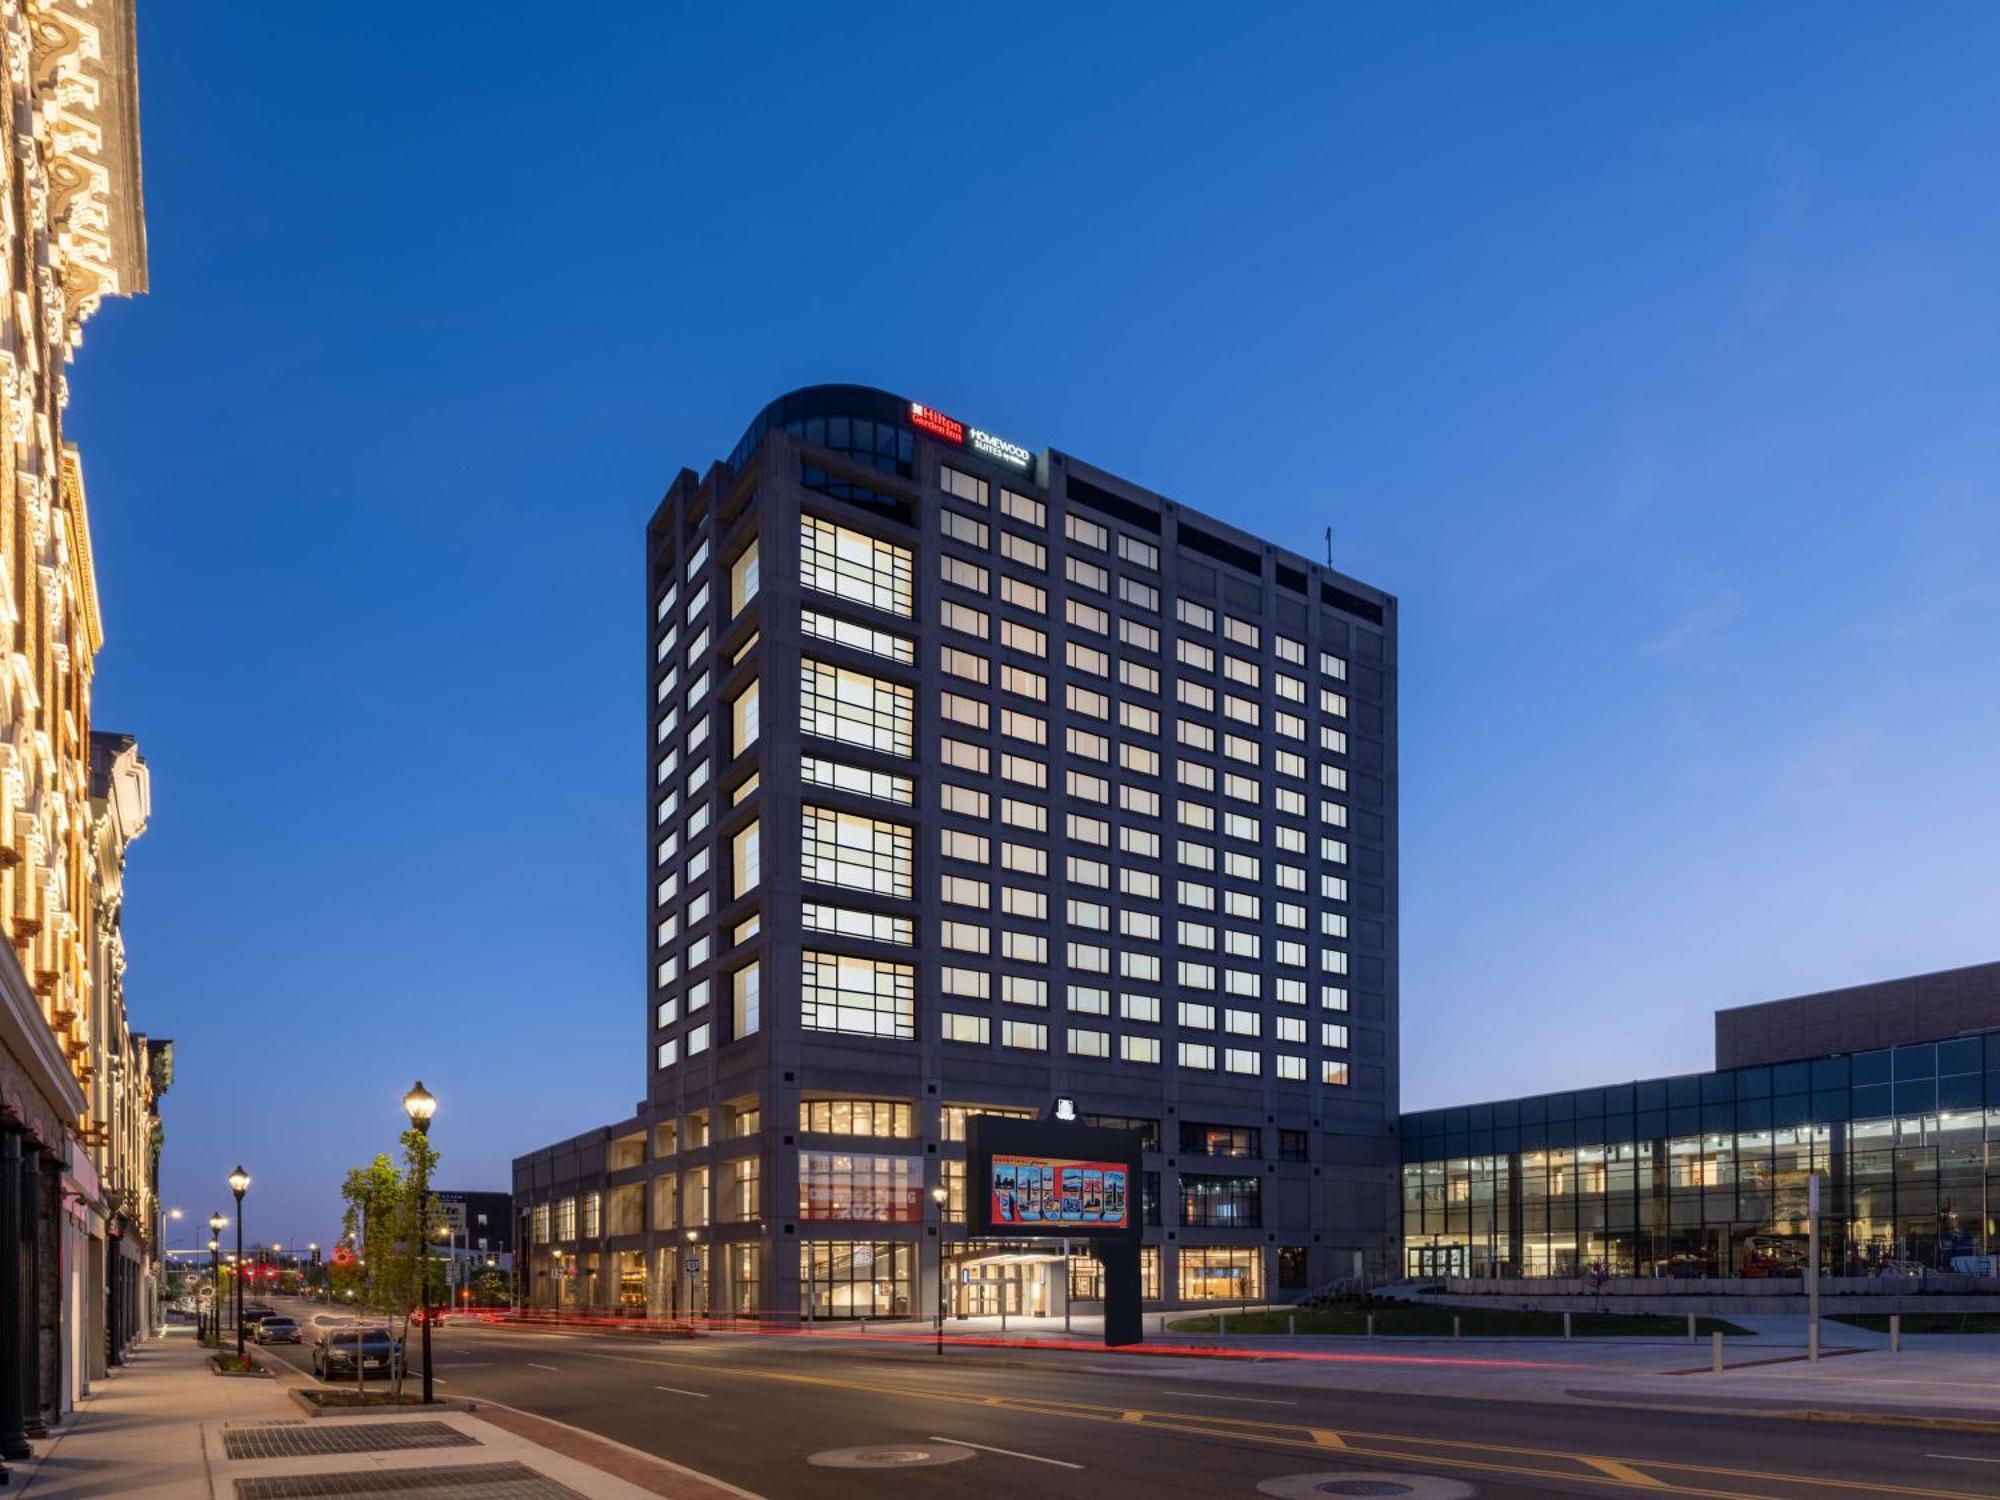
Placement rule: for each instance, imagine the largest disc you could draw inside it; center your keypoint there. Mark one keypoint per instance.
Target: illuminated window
(744, 1001)
(879, 784)
(877, 927)
(858, 996)
(976, 1030)
(854, 565)
(1028, 1036)
(860, 853)
(1022, 508)
(743, 579)
(743, 720)
(1333, 1073)
(744, 863)
(1087, 533)
(863, 1189)
(855, 708)
(961, 486)
(880, 643)
(964, 529)
(882, 1118)
(1139, 1049)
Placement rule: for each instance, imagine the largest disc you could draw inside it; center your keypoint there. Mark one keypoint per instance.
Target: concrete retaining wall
(1777, 1295)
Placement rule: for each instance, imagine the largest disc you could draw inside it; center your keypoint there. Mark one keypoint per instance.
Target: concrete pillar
(1895, 1333)
(13, 1326)
(1715, 1350)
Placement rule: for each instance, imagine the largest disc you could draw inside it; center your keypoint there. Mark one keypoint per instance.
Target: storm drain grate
(306, 1440)
(466, 1482)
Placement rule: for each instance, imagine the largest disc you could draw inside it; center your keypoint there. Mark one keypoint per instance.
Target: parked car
(255, 1314)
(335, 1355)
(278, 1329)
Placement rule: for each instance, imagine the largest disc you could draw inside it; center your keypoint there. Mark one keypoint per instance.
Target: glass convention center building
(1706, 1174)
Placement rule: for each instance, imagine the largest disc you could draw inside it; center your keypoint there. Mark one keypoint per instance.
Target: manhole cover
(1412, 1486)
(890, 1456)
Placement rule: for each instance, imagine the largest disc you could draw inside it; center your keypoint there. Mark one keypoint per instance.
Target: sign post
(1058, 1179)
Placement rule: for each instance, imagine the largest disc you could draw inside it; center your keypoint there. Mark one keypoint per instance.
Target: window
(889, 1118)
(855, 708)
(1029, 1036)
(873, 926)
(697, 1039)
(744, 861)
(836, 1185)
(743, 579)
(1221, 1202)
(976, 1030)
(1333, 1073)
(858, 996)
(1139, 595)
(1086, 532)
(972, 847)
(962, 574)
(1023, 595)
(1089, 575)
(743, 720)
(962, 486)
(1085, 1043)
(743, 1001)
(1197, 1055)
(857, 1279)
(1138, 553)
(963, 618)
(1088, 617)
(880, 784)
(1022, 508)
(853, 565)
(860, 853)
(964, 529)
(1019, 549)
(1217, 1273)
(1139, 1049)
(880, 643)
(1292, 1144)
(1244, 1060)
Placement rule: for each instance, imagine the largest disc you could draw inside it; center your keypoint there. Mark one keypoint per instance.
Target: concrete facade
(1046, 785)
(1889, 1013)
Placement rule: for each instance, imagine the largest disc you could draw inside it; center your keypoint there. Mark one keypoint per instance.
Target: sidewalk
(165, 1427)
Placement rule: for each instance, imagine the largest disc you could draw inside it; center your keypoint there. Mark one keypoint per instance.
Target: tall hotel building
(975, 778)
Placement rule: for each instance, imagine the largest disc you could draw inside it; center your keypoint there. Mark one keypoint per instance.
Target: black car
(334, 1356)
(277, 1329)
(254, 1315)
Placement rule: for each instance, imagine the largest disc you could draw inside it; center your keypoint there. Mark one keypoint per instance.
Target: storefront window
(856, 1279)
(853, 1187)
(1215, 1273)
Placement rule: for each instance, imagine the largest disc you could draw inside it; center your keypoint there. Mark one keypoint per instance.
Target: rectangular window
(1022, 508)
(743, 719)
(1086, 532)
(1027, 1036)
(962, 574)
(743, 579)
(1221, 1202)
(1019, 549)
(975, 1030)
(882, 643)
(1023, 595)
(879, 784)
(1199, 1056)
(1085, 1043)
(876, 927)
(858, 996)
(860, 853)
(856, 709)
(849, 1187)
(963, 618)
(962, 486)
(964, 529)
(744, 859)
(1139, 1049)
(853, 565)
(890, 1119)
(744, 1001)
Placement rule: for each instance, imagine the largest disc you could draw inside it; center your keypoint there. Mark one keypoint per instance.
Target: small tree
(394, 1229)
(1595, 1276)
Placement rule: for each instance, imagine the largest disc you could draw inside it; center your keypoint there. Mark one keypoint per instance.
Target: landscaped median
(1408, 1320)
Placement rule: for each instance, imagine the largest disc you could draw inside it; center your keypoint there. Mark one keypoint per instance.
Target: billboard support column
(1120, 1259)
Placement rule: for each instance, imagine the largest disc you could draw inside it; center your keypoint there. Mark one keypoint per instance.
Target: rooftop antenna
(1329, 546)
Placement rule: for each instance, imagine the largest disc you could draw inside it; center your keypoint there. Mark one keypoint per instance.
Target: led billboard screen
(1044, 1191)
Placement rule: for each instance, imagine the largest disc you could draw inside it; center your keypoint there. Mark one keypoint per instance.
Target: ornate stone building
(71, 233)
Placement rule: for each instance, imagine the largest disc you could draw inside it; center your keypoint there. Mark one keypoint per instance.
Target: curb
(1915, 1420)
(301, 1397)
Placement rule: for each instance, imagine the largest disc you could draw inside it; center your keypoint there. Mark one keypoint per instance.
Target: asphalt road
(755, 1410)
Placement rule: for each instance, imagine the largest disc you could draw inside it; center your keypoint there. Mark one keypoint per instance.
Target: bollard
(1690, 1328)
(1716, 1351)
(1222, 1325)
(1565, 1327)
(1895, 1333)
(1292, 1324)
(1812, 1343)
(864, 1327)
(1454, 1325)
(1371, 1325)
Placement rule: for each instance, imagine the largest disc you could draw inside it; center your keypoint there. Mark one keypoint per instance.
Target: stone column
(13, 1345)
(54, 1291)
(32, 1422)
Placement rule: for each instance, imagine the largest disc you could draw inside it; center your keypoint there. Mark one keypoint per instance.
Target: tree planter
(225, 1364)
(316, 1402)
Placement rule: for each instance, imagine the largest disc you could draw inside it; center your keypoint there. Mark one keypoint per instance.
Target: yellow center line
(1599, 1469)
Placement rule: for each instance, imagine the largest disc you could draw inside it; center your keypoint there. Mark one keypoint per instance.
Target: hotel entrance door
(1017, 1285)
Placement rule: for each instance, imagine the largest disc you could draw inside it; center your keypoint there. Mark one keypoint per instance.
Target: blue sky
(1649, 357)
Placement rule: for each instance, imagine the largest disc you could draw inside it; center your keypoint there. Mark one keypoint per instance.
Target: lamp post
(938, 1196)
(306, 1280)
(216, 1224)
(420, 1105)
(239, 1184)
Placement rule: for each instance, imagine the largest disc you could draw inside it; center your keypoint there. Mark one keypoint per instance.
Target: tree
(1596, 1276)
(394, 1230)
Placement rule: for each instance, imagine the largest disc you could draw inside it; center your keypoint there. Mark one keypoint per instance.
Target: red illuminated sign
(936, 423)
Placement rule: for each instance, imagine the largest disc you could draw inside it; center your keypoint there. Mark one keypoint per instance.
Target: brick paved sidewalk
(165, 1427)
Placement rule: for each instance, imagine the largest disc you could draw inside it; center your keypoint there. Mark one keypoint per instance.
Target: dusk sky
(1648, 357)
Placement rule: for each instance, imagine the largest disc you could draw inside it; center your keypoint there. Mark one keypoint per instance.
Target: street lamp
(420, 1104)
(312, 1249)
(216, 1224)
(938, 1196)
(239, 1184)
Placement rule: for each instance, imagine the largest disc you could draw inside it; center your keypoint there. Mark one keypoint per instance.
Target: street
(758, 1410)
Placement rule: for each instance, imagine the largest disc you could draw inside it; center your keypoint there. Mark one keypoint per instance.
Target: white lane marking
(533, 1366)
(1206, 1396)
(1963, 1458)
(698, 1395)
(1033, 1458)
